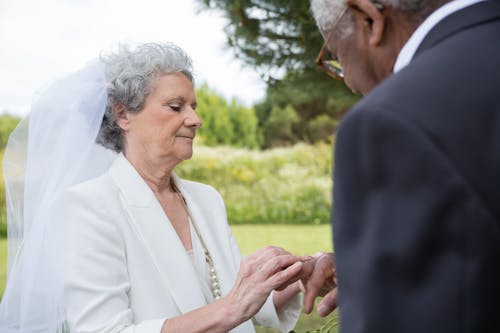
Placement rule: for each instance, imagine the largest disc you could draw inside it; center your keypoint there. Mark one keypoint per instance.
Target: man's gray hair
(130, 75)
(325, 11)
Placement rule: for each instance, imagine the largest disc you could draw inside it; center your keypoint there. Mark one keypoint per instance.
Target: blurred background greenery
(282, 185)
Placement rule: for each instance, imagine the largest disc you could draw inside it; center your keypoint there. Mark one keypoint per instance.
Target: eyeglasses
(325, 60)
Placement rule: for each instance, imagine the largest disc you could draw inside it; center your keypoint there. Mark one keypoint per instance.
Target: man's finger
(313, 286)
(309, 297)
(328, 303)
(320, 281)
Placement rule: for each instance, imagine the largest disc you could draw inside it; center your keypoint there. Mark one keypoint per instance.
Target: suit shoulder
(368, 110)
(90, 184)
(409, 94)
(96, 190)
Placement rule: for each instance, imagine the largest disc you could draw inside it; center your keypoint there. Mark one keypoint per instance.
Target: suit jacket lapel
(463, 19)
(158, 236)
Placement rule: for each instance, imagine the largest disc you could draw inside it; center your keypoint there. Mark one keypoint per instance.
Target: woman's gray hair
(130, 75)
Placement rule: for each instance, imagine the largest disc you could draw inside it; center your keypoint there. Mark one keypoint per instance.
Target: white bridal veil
(51, 149)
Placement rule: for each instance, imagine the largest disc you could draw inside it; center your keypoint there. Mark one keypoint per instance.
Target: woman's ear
(121, 116)
(372, 19)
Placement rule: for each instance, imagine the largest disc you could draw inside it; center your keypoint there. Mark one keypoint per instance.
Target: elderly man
(416, 214)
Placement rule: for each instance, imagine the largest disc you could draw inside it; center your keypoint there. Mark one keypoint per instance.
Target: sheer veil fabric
(51, 149)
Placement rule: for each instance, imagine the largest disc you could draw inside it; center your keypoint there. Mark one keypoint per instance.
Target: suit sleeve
(96, 279)
(400, 216)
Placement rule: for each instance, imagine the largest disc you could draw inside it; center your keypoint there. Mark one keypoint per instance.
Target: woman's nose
(192, 119)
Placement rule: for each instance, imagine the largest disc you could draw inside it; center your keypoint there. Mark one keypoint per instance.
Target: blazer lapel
(158, 236)
(216, 237)
(204, 217)
(463, 19)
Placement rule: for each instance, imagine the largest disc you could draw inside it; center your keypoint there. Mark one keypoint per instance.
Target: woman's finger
(270, 266)
(283, 276)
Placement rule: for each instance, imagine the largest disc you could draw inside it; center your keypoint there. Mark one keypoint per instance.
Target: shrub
(7, 124)
(277, 186)
(281, 185)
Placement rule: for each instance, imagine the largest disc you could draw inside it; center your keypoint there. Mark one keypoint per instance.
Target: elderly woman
(146, 251)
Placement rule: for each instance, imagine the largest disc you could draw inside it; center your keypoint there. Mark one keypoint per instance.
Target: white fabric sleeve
(96, 281)
(284, 320)
(267, 316)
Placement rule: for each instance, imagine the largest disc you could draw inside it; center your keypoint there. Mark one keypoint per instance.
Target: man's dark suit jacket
(416, 217)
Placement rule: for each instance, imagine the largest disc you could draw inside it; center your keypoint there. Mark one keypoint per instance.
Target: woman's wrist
(229, 314)
(219, 317)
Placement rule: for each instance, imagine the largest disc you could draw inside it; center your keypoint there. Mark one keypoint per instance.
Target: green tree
(314, 99)
(245, 125)
(214, 112)
(278, 129)
(280, 40)
(226, 123)
(270, 34)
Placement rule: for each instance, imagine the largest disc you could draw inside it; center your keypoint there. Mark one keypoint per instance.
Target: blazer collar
(153, 228)
(134, 189)
(463, 19)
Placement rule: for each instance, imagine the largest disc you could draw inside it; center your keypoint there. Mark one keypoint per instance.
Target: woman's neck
(157, 172)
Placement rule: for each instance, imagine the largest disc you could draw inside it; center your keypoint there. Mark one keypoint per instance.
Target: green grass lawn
(298, 239)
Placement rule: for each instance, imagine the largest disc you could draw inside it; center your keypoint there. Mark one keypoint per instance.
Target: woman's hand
(259, 274)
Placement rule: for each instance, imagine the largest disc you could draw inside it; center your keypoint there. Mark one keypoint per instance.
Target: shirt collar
(408, 51)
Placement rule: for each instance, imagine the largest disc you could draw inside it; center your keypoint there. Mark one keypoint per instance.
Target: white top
(197, 255)
(408, 51)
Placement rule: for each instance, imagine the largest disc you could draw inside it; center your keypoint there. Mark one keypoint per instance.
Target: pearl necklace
(214, 280)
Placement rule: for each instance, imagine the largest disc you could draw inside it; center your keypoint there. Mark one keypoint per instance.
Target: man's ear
(372, 17)
(121, 116)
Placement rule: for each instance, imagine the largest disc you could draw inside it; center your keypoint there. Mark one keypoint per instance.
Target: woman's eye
(175, 107)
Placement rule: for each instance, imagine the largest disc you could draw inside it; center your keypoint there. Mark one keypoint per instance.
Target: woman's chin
(187, 155)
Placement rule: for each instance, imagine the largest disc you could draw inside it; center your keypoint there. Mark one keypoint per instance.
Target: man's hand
(319, 279)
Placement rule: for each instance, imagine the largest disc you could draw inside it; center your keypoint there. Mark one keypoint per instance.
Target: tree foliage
(279, 38)
(270, 34)
(319, 102)
(226, 123)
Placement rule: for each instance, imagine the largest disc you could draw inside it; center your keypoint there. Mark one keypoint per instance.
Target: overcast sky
(43, 39)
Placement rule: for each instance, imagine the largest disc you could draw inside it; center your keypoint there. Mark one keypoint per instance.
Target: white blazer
(126, 270)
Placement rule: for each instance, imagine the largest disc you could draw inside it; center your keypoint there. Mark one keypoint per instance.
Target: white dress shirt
(408, 51)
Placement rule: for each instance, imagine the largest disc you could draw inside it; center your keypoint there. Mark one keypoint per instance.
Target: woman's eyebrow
(175, 99)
